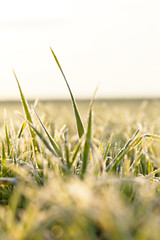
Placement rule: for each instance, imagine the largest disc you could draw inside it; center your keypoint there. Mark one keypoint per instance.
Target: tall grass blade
(97, 159)
(53, 143)
(134, 141)
(28, 115)
(88, 138)
(107, 148)
(76, 150)
(87, 146)
(7, 140)
(66, 149)
(24, 124)
(80, 127)
(42, 138)
(3, 151)
(152, 136)
(24, 102)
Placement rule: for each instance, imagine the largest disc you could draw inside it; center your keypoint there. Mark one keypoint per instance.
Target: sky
(114, 45)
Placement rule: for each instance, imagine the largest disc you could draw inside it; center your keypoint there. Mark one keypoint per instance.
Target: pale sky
(111, 43)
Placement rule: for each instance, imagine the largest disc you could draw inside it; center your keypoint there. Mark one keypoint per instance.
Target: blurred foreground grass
(42, 193)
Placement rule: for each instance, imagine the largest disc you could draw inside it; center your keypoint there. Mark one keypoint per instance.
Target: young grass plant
(67, 193)
(80, 127)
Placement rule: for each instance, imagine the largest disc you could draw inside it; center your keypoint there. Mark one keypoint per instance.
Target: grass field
(45, 196)
(85, 170)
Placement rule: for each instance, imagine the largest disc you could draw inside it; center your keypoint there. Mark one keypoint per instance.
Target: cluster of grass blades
(53, 187)
(63, 155)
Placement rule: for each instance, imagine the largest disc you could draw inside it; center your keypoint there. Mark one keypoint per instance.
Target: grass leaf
(80, 127)
(134, 141)
(7, 140)
(53, 143)
(88, 137)
(24, 124)
(107, 148)
(42, 138)
(28, 115)
(76, 151)
(86, 145)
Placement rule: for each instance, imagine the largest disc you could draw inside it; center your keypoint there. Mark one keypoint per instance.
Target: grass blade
(24, 102)
(152, 136)
(53, 143)
(80, 127)
(66, 149)
(7, 140)
(88, 137)
(107, 148)
(42, 138)
(134, 141)
(28, 115)
(21, 129)
(87, 146)
(3, 151)
(76, 151)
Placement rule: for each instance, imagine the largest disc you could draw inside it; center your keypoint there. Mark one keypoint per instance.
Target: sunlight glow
(114, 42)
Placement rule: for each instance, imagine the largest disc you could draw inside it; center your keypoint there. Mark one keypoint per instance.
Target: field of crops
(80, 170)
(116, 197)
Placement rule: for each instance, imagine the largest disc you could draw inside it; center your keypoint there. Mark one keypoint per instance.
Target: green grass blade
(80, 127)
(7, 140)
(53, 143)
(88, 138)
(97, 159)
(28, 115)
(24, 124)
(134, 141)
(87, 146)
(152, 136)
(152, 174)
(107, 148)
(24, 102)
(75, 151)
(42, 138)
(66, 151)
(3, 151)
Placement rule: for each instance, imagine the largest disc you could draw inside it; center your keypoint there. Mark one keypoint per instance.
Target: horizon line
(16, 100)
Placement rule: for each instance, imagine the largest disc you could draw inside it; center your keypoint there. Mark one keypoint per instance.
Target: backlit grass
(97, 177)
